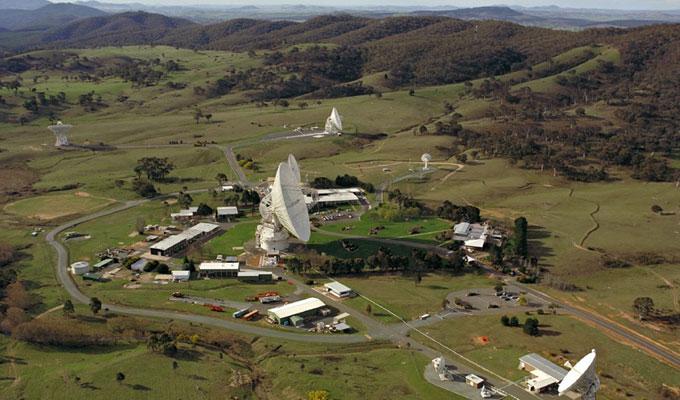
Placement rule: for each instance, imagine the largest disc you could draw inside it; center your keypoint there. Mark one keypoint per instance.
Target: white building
(218, 269)
(176, 243)
(181, 276)
(303, 308)
(472, 235)
(544, 373)
(337, 289)
(226, 213)
(80, 267)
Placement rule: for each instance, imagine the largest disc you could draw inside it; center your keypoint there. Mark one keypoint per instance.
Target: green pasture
(56, 206)
(402, 296)
(393, 229)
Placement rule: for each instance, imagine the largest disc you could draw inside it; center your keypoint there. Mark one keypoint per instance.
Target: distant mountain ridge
(23, 4)
(49, 16)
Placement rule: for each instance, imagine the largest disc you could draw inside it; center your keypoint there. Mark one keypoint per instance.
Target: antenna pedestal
(271, 239)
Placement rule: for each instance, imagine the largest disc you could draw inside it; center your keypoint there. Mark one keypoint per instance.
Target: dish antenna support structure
(60, 130)
(334, 123)
(284, 210)
(582, 379)
(426, 158)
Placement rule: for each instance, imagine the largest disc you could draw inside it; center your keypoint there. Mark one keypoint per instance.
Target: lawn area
(48, 372)
(57, 205)
(229, 243)
(332, 246)
(393, 229)
(403, 297)
(624, 371)
(362, 374)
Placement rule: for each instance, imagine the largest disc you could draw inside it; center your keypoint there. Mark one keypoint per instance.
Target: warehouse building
(295, 313)
(218, 269)
(255, 276)
(338, 290)
(181, 276)
(177, 243)
(545, 375)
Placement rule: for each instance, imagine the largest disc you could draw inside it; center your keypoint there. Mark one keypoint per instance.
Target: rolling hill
(23, 4)
(49, 16)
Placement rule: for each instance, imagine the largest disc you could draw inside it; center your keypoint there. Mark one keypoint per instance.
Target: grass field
(57, 206)
(403, 297)
(398, 229)
(624, 372)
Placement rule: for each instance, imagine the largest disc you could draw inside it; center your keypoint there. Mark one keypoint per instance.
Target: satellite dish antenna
(284, 211)
(582, 379)
(60, 130)
(292, 162)
(334, 123)
(426, 158)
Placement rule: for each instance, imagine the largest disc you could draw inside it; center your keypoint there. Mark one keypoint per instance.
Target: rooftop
(218, 266)
(543, 365)
(298, 307)
(231, 210)
(337, 287)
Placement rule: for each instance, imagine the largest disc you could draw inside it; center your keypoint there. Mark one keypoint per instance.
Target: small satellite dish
(582, 379)
(426, 158)
(288, 203)
(60, 130)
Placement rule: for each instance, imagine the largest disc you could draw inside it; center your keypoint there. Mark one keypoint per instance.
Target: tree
(198, 115)
(520, 237)
(155, 168)
(644, 306)
(513, 321)
(162, 343)
(531, 327)
(499, 287)
(656, 209)
(207, 118)
(462, 158)
(369, 309)
(184, 199)
(204, 209)
(68, 309)
(144, 188)
(221, 178)
(505, 321)
(140, 224)
(95, 305)
(523, 301)
(120, 377)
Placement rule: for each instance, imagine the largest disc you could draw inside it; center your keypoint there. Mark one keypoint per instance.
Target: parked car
(425, 316)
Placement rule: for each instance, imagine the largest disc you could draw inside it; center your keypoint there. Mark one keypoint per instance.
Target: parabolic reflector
(582, 377)
(292, 163)
(288, 203)
(335, 117)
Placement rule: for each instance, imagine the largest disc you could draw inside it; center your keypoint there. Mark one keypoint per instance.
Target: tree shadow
(188, 355)
(89, 386)
(535, 236)
(197, 377)
(139, 387)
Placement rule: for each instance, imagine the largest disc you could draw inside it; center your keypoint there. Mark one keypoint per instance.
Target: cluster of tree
(452, 212)
(16, 302)
(530, 326)
(91, 101)
(157, 267)
(247, 162)
(144, 188)
(154, 168)
(68, 333)
(164, 343)
(341, 181)
(42, 103)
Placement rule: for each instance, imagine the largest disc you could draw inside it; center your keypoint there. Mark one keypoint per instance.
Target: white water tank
(80, 267)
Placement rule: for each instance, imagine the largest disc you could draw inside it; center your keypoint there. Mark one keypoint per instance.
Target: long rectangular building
(176, 243)
(303, 308)
(218, 269)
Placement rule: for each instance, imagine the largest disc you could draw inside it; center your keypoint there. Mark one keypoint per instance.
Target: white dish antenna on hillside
(582, 379)
(426, 158)
(60, 130)
(283, 210)
(334, 123)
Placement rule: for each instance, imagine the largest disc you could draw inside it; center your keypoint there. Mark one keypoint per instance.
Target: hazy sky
(609, 4)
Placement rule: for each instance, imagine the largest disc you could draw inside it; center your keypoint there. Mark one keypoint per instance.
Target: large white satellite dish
(334, 123)
(283, 210)
(288, 203)
(581, 379)
(292, 163)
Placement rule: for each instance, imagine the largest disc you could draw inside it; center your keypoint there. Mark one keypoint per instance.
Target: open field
(57, 206)
(403, 297)
(397, 229)
(624, 372)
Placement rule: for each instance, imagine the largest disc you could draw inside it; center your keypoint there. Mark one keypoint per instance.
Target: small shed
(474, 381)
(139, 265)
(103, 263)
(225, 214)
